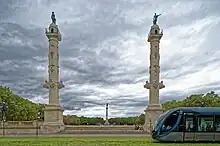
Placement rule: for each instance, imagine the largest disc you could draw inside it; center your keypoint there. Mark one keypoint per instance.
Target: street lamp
(150, 119)
(37, 118)
(3, 107)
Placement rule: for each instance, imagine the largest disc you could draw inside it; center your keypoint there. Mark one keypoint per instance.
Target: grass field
(88, 141)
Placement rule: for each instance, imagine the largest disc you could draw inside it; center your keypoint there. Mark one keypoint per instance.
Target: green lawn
(87, 141)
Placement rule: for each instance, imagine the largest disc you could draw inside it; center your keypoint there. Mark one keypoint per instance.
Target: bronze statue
(53, 18)
(155, 18)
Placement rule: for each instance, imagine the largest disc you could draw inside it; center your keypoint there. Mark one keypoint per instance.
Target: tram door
(189, 127)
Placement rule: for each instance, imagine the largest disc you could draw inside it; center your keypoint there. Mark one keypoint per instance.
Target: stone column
(53, 113)
(106, 115)
(154, 108)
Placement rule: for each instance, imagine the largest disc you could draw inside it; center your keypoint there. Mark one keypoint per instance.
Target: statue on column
(53, 18)
(155, 18)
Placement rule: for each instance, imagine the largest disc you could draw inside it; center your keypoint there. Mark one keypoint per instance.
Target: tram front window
(160, 118)
(170, 122)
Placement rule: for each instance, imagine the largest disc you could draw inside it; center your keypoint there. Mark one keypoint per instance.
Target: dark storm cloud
(19, 43)
(96, 69)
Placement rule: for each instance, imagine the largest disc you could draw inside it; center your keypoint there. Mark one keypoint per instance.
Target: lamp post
(3, 107)
(37, 118)
(150, 128)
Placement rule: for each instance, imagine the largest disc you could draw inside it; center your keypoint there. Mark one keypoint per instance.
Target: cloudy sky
(104, 53)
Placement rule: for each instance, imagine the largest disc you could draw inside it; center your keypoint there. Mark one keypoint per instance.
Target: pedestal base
(106, 122)
(151, 115)
(53, 119)
(53, 116)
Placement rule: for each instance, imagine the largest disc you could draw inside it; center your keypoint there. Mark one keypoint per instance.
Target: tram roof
(199, 109)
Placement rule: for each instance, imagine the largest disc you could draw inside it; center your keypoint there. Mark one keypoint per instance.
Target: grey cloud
(6, 9)
(207, 55)
(23, 50)
(205, 88)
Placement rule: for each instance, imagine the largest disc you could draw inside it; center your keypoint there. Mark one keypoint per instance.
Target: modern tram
(188, 124)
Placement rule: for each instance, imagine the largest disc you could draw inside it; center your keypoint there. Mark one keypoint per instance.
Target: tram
(188, 124)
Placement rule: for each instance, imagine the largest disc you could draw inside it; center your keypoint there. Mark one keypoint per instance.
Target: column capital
(155, 33)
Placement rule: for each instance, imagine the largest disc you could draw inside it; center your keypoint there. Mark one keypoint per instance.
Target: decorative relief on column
(161, 85)
(156, 69)
(46, 85)
(52, 44)
(52, 68)
(147, 85)
(155, 84)
(51, 83)
(51, 54)
(60, 85)
(155, 55)
(150, 70)
(57, 56)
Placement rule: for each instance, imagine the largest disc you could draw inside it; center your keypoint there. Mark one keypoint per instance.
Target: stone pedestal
(106, 122)
(52, 129)
(152, 113)
(53, 116)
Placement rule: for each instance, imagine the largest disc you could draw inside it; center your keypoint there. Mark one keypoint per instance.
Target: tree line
(75, 120)
(21, 109)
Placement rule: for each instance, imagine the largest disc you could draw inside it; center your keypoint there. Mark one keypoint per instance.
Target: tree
(140, 120)
(196, 100)
(19, 109)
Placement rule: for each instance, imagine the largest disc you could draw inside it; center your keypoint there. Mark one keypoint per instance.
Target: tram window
(190, 124)
(205, 123)
(217, 123)
(170, 122)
